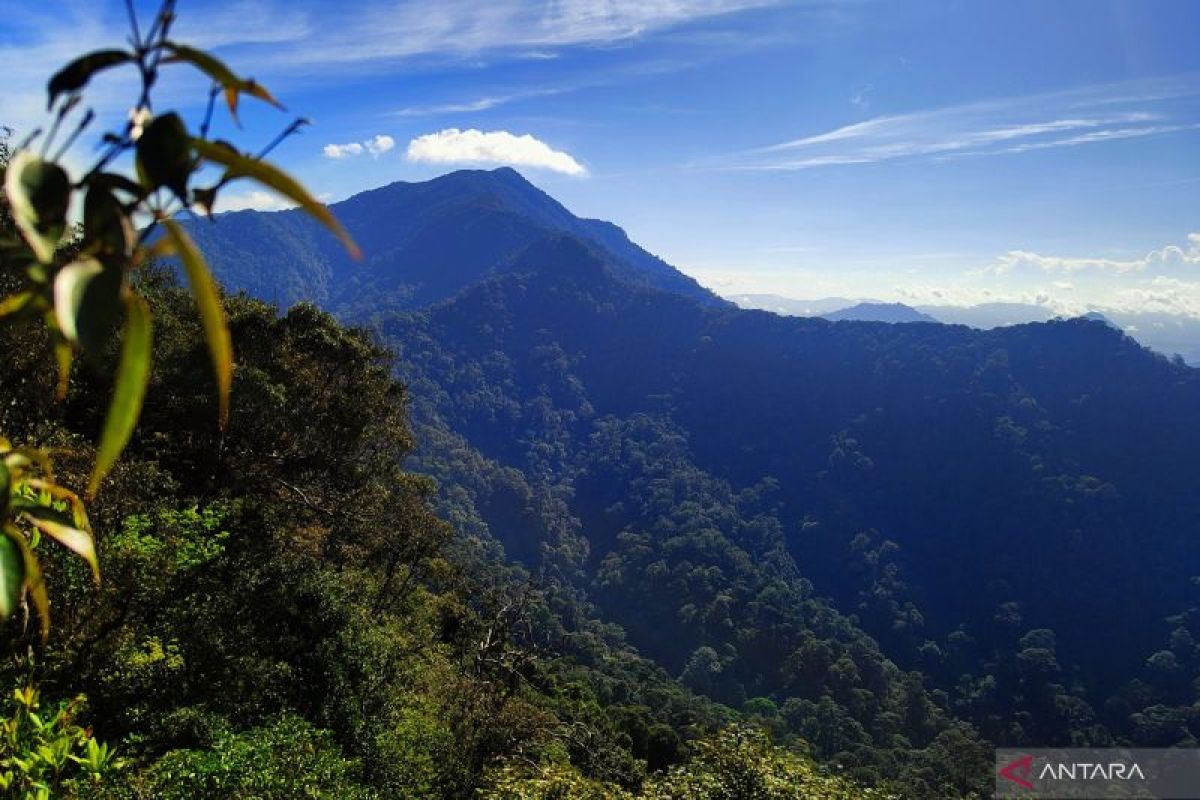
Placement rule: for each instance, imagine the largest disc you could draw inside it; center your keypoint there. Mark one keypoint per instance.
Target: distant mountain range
(1170, 334)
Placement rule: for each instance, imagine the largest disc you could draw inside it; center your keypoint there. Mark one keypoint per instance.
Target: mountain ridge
(424, 242)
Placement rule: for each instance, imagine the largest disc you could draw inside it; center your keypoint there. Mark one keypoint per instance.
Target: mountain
(879, 312)
(424, 242)
(964, 493)
(989, 315)
(966, 449)
(1172, 334)
(900, 543)
(1169, 334)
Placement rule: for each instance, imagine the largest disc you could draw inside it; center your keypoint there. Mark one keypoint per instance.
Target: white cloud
(1164, 280)
(1161, 294)
(481, 104)
(255, 200)
(384, 29)
(343, 150)
(376, 146)
(1091, 115)
(951, 294)
(40, 38)
(1166, 258)
(454, 146)
(379, 144)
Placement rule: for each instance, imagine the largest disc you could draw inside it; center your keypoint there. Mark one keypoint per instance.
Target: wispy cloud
(308, 40)
(376, 146)
(42, 38)
(454, 146)
(1108, 135)
(1014, 125)
(480, 104)
(385, 30)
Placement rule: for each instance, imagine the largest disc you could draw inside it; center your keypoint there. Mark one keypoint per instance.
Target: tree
(80, 282)
(741, 764)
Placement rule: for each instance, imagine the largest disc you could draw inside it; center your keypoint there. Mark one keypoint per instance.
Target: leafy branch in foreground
(81, 286)
(44, 753)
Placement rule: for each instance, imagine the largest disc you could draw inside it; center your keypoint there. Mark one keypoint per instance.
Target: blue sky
(927, 151)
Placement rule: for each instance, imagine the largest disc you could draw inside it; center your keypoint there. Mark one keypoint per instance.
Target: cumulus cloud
(1186, 257)
(1161, 294)
(454, 146)
(376, 146)
(255, 200)
(1165, 280)
(343, 150)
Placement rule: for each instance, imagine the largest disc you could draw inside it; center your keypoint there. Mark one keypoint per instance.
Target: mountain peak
(879, 312)
(423, 241)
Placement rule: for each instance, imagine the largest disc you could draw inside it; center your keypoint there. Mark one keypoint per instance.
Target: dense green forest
(642, 545)
(514, 509)
(883, 540)
(283, 615)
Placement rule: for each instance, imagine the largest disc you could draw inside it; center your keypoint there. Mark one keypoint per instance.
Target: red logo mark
(1018, 771)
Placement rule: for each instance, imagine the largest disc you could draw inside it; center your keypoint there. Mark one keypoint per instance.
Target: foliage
(737, 763)
(33, 505)
(741, 764)
(548, 782)
(81, 284)
(866, 524)
(44, 753)
(281, 761)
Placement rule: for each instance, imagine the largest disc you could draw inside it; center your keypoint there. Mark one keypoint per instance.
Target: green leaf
(212, 313)
(116, 182)
(77, 541)
(78, 512)
(15, 303)
(221, 74)
(12, 576)
(74, 76)
(240, 166)
(164, 155)
(107, 229)
(39, 193)
(33, 577)
(87, 302)
(133, 373)
(5, 491)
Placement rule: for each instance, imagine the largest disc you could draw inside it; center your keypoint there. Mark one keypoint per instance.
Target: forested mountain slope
(959, 491)
(896, 542)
